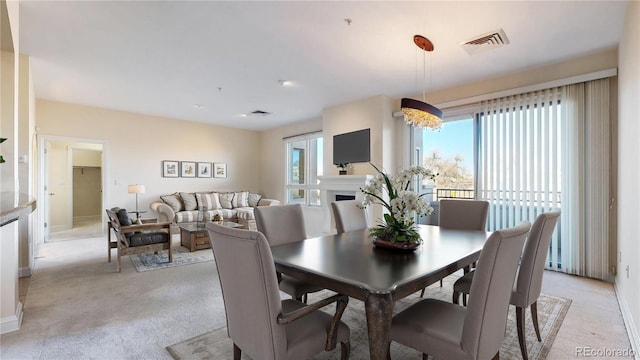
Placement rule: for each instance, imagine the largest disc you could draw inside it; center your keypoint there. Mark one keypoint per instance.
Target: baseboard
(58, 228)
(86, 218)
(629, 323)
(24, 271)
(12, 323)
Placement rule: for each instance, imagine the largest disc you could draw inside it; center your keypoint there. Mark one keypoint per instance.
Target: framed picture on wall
(170, 168)
(204, 170)
(187, 169)
(220, 170)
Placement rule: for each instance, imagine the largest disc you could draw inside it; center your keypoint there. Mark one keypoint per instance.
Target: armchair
(138, 238)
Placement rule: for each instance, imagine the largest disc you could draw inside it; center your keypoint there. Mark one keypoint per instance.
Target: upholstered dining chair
(529, 283)
(348, 216)
(450, 331)
(284, 224)
(462, 215)
(259, 323)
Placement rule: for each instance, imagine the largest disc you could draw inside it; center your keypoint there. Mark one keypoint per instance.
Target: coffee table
(194, 236)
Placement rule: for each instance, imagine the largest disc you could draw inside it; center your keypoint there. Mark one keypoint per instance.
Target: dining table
(350, 264)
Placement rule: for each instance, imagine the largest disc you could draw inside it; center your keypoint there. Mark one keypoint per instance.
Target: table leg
(379, 311)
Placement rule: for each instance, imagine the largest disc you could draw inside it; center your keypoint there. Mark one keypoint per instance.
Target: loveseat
(184, 207)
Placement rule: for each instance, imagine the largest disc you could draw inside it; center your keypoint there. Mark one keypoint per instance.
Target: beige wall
(573, 67)
(136, 145)
(628, 205)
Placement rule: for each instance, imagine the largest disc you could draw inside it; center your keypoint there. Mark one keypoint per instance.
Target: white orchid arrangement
(402, 206)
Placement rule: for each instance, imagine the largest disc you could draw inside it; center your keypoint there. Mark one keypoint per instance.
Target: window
(304, 165)
(450, 152)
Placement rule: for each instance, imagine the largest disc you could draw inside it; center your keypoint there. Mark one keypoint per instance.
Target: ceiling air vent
(259, 113)
(488, 41)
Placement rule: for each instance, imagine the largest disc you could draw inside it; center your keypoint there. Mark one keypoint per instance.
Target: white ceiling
(161, 58)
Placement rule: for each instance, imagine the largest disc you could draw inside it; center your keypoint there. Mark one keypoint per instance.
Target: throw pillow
(254, 199)
(240, 199)
(123, 217)
(189, 201)
(208, 201)
(226, 200)
(173, 200)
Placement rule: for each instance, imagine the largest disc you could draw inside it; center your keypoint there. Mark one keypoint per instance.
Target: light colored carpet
(551, 312)
(181, 256)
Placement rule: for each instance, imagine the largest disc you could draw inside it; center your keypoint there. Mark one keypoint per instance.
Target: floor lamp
(137, 189)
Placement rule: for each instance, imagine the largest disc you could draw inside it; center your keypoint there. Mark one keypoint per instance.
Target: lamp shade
(421, 114)
(136, 189)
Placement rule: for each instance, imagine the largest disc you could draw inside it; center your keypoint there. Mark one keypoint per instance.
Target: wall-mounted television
(352, 147)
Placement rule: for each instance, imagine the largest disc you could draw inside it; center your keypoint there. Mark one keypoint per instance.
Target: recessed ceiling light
(197, 106)
(285, 82)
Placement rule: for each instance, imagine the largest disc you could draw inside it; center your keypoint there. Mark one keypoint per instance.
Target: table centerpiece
(396, 231)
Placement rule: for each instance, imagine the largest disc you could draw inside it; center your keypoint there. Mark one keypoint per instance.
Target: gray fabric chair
(258, 322)
(529, 283)
(348, 216)
(463, 215)
(449, 331)
(282, 225)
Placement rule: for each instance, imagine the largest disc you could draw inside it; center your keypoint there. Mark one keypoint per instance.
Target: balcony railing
(455, 194)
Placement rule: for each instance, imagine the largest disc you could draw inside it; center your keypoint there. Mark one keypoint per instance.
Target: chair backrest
(486, 319)
(348, 216)
(250, 291)
(463, 214)
(281, 224)
(536, 248)
(117, 227)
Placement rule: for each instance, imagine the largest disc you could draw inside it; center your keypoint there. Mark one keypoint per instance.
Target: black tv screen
(352, 147)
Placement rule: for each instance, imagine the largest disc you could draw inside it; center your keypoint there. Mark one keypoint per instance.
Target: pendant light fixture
(416, 112)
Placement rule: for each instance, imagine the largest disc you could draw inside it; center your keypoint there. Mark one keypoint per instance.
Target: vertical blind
(519, 160)
(586, 234)
(550, 150)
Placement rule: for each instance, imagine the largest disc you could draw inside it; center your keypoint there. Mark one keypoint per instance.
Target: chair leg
(464, 300)
(170, 255)
(237, 353)
(521, 333)
(422, 292)
(456, 298)
(440, 282)
(496, 356)
(534, 317)
(119, 261)
(425, 356)
(345, 350)
(304, 298)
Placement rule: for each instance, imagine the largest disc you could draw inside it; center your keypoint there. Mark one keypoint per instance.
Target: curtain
(549, 150)
(519, 163)
(587, 157)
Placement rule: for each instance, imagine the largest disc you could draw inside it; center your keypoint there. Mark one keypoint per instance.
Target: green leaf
(2, 159)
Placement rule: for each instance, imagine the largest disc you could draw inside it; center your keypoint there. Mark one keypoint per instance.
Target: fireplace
(340, 197)
(340, 188)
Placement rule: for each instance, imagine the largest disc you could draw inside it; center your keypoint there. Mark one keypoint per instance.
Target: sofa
(184, 207)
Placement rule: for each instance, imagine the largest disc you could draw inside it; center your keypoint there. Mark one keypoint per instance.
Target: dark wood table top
(350, 264)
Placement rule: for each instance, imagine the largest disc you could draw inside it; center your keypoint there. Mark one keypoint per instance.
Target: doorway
(72, 177)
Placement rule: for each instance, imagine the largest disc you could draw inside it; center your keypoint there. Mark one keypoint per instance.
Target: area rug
(551, 312)
(181, 256)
